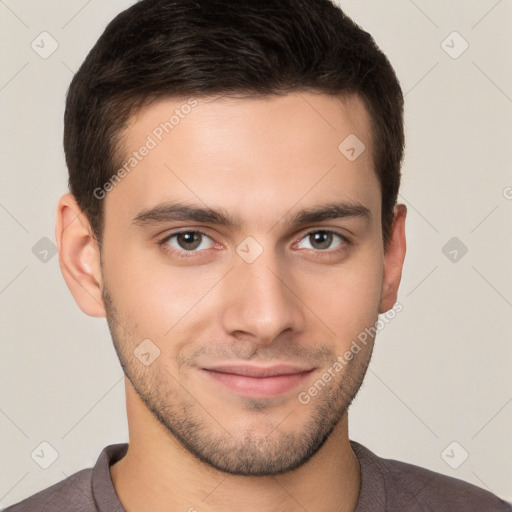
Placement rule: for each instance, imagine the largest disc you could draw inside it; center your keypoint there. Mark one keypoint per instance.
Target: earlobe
(79, 256)
(393, 260)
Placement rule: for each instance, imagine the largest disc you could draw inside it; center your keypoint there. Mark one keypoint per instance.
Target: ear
(79, 256)
(393, 260)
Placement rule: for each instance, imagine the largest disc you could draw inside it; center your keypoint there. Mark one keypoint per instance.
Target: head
(216, 218)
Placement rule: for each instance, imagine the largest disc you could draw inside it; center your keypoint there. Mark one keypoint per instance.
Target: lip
(258, 381)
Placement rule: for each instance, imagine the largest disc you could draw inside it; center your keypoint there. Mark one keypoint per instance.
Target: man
(234, 169)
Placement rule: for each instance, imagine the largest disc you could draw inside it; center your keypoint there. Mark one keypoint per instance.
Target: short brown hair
(181, 48)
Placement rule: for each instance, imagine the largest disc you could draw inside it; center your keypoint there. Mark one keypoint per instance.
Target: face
(242, 255)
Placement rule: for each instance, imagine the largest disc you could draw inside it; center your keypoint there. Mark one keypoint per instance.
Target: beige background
(441, 370)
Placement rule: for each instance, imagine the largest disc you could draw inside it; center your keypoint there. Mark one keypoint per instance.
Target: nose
(260, 301)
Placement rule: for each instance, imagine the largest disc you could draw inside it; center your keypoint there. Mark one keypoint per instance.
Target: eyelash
(345, 242)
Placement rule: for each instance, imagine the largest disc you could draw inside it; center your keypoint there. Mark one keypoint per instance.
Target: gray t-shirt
(386, 486)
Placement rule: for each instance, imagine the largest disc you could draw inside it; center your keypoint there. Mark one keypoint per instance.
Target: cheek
(346, 298)
(154, 296)
(163, 301)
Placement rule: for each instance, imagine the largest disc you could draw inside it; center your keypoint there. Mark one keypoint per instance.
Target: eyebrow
(166, 212)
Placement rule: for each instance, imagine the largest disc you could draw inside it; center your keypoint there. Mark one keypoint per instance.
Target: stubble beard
(242, 453)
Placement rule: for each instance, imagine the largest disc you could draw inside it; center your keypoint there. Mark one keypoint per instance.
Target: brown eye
(188, 241)
(322, 240)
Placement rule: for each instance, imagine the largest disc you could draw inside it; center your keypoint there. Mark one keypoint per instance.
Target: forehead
(255, 157)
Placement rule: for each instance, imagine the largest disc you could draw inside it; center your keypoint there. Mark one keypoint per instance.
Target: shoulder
(88, 490)
(73, 493)
(417, 488)
(437, 491)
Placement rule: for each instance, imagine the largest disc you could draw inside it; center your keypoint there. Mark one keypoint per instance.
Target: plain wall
(441, 369)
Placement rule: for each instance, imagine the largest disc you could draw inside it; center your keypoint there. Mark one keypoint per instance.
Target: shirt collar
(372, 495)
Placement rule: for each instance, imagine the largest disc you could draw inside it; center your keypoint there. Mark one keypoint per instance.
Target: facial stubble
(245, 453)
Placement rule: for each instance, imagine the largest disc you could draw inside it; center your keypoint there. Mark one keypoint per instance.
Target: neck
(158, 474)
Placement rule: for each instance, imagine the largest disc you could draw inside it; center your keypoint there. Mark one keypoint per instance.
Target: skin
(195, 444)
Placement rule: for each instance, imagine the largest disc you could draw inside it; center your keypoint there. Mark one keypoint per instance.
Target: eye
(187, 241)
(320, 240)
(191, 242)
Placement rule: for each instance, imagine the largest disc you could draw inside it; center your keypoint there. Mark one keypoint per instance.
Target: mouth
(258, 381)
